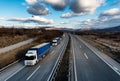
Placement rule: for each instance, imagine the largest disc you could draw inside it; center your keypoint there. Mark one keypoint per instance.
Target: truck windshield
(29, 57)
(54, 42)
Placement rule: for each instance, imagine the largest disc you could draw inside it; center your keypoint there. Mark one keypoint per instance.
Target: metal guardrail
(53, 73)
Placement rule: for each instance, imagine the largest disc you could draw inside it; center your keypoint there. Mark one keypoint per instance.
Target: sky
(60, 13)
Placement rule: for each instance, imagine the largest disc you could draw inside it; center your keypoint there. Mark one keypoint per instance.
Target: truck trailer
(34, 54)
(56, 41)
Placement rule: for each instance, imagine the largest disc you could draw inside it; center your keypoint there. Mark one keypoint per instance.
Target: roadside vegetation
(10, 36)
(108, 42)
(18, 53)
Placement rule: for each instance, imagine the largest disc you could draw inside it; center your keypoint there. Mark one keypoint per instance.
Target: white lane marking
(115, 68)
(52, 52)
(74, 65)
(14, 73)
(86, 55)
(33, 73)
(80, 46)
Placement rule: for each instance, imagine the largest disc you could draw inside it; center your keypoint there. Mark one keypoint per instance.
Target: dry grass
(9, 40)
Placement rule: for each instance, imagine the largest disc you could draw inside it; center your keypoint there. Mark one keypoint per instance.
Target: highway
(42, 71)
(87, 66)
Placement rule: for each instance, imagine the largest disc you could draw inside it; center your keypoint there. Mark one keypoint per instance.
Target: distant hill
(111, 29)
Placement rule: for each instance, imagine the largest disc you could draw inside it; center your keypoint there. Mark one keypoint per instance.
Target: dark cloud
(75, 7)
(37, 9)
(57, 4)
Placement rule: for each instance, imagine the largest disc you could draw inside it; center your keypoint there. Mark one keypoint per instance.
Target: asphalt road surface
(88, 66)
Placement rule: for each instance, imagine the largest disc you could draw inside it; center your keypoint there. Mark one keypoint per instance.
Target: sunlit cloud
(71, 14)
(85, 6)
(111, 12)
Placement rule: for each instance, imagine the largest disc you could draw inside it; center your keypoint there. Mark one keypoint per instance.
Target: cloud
(63, 23)
(71, 14)
(2, 18)
(57, 4)
(85, 6)
(31, 2)
(77, 7)
(67, 15)
(88, 22)
(101, 21)
(35, 19)
(110, 21)
(110, 17)
(111, 12)
(37, 9)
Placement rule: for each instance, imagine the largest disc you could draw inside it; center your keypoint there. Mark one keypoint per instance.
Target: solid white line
(33, 73)
(74, 65)
(80, 46)
(52, 52)
(14, 73)
(115, 68)
(86, 55)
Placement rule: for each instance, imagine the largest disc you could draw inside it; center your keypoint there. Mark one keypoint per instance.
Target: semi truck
(34, 54)
(56, 41)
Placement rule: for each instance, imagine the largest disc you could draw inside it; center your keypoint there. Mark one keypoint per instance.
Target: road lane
(93, 68)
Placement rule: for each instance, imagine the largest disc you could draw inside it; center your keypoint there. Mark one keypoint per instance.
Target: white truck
(56, 41)
(35, 53)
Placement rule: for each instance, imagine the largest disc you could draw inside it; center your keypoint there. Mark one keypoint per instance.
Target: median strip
(63, 71)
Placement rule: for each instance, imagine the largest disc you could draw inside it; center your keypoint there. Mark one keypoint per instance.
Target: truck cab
(56, 41)
(31, 57)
